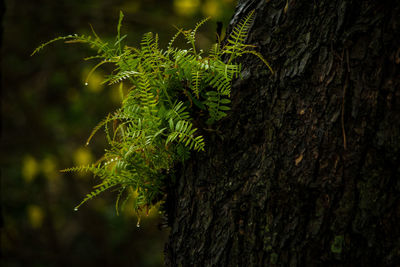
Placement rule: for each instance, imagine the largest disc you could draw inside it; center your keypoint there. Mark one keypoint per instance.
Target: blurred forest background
(47, 115)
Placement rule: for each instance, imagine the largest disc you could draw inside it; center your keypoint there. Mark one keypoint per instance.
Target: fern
(217, 106)
(236, 39)
(119, 77)
(72, 36)
(178, 112)
(197, 76)
(96, 192)
(154, 127)
(183, 130)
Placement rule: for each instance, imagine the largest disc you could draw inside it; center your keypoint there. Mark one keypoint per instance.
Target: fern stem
(93, 69)
(194, 49)
(167, 95)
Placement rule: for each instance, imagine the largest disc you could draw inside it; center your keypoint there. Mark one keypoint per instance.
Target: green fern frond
(185, 62)
(98, 127)
(93, 57)
(220, 82)
(183, 130)
(217, 106)
(215, 51)
(119, 38)
(147, 98)
(87, 168)
(121, 191)
(63, 38)
(130, 109)
(238, 36)
(96, 43)
(260, 57)
(119, 77)
(104, 186)
(197, 76)
(229, 71)
(149, 51)
(178, 112)
(171, 42)
(190, 35)
(94, 68)
(198, 25)
(94, 32)
(154, 127)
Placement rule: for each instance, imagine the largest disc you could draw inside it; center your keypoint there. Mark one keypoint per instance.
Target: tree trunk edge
(312, 177)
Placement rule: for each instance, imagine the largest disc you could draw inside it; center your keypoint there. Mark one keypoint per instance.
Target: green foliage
(154, 128)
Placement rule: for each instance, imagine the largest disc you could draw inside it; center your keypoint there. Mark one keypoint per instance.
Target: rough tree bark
(306, 170)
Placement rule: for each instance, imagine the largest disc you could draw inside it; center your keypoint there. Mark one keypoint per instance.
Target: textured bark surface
(306, 170)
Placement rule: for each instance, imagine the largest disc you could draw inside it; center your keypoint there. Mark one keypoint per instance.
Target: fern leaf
(119, 38)
(260, 57)
(121, 76)
(103, 187)
(238, 36)
(121, 191)
(178, 111)
(183, 130)
(147, 98)
(221, 83)
(150, 51)
(216, 106)
(197, 76)
(171, 42)
(185, 62)
(79, 169)
(215, 51)
(98, 127)
(72, 36)
(198, 25)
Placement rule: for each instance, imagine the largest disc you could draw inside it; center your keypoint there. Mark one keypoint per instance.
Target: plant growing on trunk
(169, 90)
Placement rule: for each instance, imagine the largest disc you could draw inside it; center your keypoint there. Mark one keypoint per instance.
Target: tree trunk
(306, 170)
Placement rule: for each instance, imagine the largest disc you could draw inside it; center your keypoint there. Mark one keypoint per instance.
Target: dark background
(47, 114)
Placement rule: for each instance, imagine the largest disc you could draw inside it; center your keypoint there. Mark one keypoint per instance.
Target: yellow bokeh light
(131, 7)
(83, 156)
(35, 216)
(211, 9)
(30, 168)
(93, 82)
(186, 7)
(49, 168)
